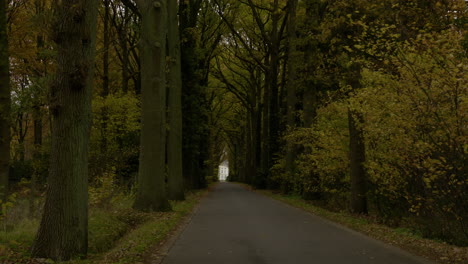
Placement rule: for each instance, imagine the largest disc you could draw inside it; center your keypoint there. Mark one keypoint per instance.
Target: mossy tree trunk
(5, 104)
(174, 146)
(63, 232)
(151, 195)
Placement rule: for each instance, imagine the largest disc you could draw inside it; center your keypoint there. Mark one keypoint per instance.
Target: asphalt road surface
(237, 226)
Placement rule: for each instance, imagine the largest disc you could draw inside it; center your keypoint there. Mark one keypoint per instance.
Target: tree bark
(63, 232)
(194, 138)
(265, 137)
(357, 158)
(5, 104)
(105, 77)
(274, 123)
(151, 195)
(310, 60)
(105, 58)
(174, 146)
(125, 53)
(291, 88)
(357, 151)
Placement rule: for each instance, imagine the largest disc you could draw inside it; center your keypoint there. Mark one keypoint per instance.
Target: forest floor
(117, 233)
(437, 251)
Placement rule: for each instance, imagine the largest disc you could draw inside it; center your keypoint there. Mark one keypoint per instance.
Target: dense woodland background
(356, 105)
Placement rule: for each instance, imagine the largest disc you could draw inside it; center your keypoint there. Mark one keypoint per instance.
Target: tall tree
(4, 103)
(357, 151)
(293, 61)
(63, 232)
(275, 36)
(200, 35)
(151, 195)
(105, 75)
(174, 145)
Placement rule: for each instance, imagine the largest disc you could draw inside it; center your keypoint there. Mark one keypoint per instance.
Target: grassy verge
(117, 234)
(132, 247)
(437, 251)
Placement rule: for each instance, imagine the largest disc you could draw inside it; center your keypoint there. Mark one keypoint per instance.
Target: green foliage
(15, 243)
(132, 248)
(104, 189)
(415, 140)
(117, 233)
(416, 137)
(5, 207)
(104, 229)
(121, 134)
(322, 167)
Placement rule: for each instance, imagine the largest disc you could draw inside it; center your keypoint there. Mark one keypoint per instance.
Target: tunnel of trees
(360, 105)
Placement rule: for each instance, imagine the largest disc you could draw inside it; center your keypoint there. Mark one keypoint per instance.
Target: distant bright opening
(223, 171)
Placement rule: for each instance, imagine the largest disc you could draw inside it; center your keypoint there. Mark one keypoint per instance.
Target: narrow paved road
(237, 226)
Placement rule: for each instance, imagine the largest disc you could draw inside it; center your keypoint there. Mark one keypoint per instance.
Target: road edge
(413, 254)
(157, 253)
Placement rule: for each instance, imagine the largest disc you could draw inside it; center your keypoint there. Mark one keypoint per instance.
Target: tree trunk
(274, 124)
(105, 77)
(125, 53)
(5, 104)
(189, 100)
(174, 149)
(357, 152)
(151, 195)
(310, 60)
(105, 58)
(249, 154)
(291, 88)
(37, 114)
(253, 144)
(357, 159)
(63, 232)
(265, 137)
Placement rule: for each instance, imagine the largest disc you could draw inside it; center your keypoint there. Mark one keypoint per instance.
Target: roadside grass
(117, 233)
(404, 238)
(133, 247)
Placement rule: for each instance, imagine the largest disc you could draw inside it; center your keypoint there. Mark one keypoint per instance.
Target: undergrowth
(117, 233)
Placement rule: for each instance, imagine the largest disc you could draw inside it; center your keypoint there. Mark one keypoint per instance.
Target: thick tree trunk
(291, 88)
(63, 232)
(189, 100)
(5, 104)
(174, 146)
(151, 195)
